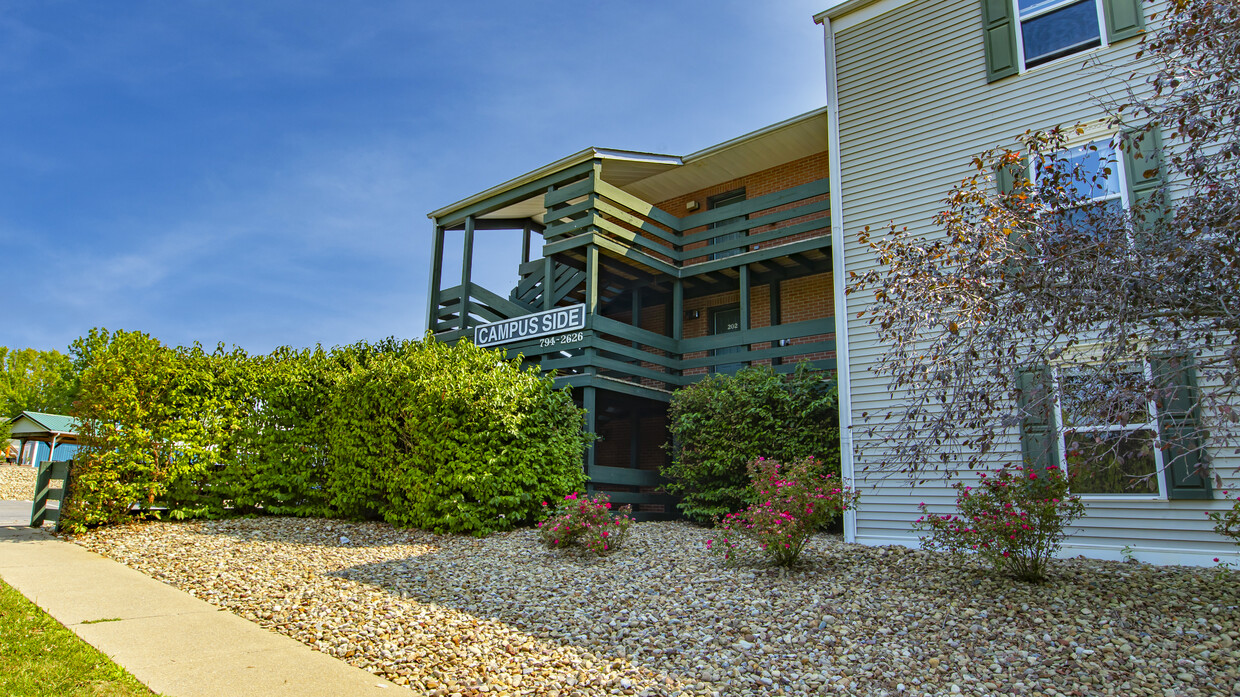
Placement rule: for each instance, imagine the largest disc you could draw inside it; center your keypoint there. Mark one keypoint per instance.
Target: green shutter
(1039, 435)
(999, 36)
(1143, 166)
(1124, 19)
(1006, 177)
(1178, 418)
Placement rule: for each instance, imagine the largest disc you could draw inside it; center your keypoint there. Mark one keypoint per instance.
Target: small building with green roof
(49, 436)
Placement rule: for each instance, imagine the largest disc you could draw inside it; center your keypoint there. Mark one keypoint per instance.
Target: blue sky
(258, 172)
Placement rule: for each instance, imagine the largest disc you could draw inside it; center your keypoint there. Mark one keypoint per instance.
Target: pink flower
(571, 497)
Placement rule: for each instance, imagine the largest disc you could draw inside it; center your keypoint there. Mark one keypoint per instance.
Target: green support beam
(467, 264)
(589, 401)
(432, 296)
(744, 287)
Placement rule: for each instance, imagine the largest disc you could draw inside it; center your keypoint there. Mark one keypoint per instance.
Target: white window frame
(1152, 424)
(1119, 171)
(1020, 34)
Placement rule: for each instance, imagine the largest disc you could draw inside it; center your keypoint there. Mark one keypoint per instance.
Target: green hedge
(466, 442)
(722, 423)
(447, 438)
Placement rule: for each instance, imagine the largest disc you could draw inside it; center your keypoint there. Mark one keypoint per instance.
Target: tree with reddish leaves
(1083, 300)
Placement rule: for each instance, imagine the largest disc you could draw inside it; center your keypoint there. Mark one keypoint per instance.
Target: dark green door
(728, 199)
(724, 321)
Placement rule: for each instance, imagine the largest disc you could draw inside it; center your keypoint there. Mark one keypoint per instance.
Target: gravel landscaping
(501, 615)
(16, 483)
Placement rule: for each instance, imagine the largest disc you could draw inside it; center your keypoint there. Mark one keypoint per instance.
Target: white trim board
(1149, 554)
(850, 13)
(839, 276)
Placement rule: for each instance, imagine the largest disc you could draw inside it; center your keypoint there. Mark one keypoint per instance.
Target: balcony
(609, 249)
(661, 292)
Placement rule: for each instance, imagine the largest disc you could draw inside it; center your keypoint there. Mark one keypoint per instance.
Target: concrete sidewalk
(177, 645)
(15, 512)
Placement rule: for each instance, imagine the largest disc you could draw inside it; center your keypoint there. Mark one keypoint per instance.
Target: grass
(38, 656)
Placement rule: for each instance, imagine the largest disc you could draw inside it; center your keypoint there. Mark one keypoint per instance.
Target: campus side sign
(561, 319)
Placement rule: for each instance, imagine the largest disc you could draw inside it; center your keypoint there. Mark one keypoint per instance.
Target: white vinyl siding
(914, 108)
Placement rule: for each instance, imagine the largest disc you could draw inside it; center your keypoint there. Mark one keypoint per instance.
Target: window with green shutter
(1110, 442)
(1022, 34)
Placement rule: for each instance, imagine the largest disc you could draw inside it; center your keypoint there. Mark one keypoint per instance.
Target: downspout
(839, 276)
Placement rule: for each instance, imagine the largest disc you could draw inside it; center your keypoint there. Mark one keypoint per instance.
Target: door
(727, 199)
(725, 321)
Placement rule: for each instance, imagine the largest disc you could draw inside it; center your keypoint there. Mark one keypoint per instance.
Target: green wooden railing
(45, 492)
(592, 211)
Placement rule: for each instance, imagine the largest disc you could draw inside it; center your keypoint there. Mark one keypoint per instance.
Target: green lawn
(39, 657)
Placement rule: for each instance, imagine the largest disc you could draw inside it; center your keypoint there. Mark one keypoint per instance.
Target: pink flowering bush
(1014, 518)
(586, 523)
(1227, 522)
(795, 501)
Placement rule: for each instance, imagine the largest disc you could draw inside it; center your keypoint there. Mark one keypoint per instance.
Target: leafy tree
(146, 420)
(33, 380)
(1033, 271)
(724, 422)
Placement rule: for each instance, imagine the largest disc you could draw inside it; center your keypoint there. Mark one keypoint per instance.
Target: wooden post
(432, 296)
(637, 313)
(467, 262)
(591, 302)
(548, 274)
(776, 320)
(591, 279)
(525, 243)
(678, 319)
(678, 309)
(589, 401)
(744, 279)
(635, 422)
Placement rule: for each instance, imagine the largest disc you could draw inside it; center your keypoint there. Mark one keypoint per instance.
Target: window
(1021, 34)
(1096, 175)
(1051, 29)
(1108, 434)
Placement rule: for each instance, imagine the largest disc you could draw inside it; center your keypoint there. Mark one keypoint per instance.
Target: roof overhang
(839, 8)
(618, 166)
(655, 177)
(767, 147)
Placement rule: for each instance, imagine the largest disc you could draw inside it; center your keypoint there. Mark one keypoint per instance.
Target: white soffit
(631, 164)
(656, 178)
(774, 145)
(848, 13)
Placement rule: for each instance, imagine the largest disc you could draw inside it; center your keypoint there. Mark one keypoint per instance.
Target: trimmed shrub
(451, 439)
(279, 461)
(586, 523)
(447, 438)
(1014, 519)
(794, 502)
(722, 423)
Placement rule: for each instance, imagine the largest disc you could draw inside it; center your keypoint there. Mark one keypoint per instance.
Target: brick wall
(768, 181)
